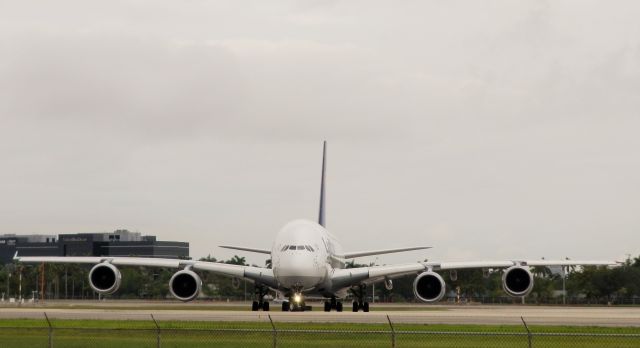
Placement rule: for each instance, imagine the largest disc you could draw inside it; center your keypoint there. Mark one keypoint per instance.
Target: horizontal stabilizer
(379, 252)
(253, 250)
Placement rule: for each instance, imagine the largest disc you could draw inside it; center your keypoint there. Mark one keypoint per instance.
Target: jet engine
(105, 278)
(517, 281)
(429, 287)
(185, 285)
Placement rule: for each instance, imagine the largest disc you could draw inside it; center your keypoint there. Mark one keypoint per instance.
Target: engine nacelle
(517, 281)
(429, 287)
(185, 285)
(105, 278)
(388, 284)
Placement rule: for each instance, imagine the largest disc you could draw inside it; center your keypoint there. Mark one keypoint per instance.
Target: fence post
(50, 330)
(157, 331)
(393, 333)
(275, 332)
(528, 331)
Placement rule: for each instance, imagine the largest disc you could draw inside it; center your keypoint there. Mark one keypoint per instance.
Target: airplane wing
(342, 278)
(351, 276)
(256, 274)
(505, 264)
(355, 254)
(253, 250)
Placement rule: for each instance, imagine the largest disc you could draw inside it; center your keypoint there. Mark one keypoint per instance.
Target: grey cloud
(463, 124)
(120, 83)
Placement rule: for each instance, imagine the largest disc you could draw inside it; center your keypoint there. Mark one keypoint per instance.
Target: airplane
(308, 261)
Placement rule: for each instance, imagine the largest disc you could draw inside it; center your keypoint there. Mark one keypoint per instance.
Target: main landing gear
(359, 302)
(333, 304)
(260, 303)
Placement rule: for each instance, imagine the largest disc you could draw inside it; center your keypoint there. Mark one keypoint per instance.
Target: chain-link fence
(265, 332)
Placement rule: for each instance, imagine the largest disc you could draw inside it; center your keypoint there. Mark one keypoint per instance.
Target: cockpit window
(297, 247)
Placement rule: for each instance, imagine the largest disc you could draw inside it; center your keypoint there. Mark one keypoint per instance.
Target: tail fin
(321, 220)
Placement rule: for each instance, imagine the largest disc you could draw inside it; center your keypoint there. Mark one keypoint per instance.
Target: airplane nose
(299, 271)
(298, 265)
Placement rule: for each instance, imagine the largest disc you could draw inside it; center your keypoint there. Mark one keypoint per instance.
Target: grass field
(20, 333)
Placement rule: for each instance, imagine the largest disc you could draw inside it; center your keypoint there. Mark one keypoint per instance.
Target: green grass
(213, 325)
(18, 333)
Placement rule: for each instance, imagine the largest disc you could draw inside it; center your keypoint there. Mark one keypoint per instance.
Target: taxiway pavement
(477, 314)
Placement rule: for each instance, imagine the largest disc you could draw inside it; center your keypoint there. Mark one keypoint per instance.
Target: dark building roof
(117, 243)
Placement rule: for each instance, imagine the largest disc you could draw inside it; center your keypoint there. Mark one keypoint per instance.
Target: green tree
(237, 260)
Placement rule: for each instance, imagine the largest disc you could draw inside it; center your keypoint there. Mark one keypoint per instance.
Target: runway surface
(477, 314)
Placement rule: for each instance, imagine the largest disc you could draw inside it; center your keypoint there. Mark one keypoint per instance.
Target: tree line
(583, 285)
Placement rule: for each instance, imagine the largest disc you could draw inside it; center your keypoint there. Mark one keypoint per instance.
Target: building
(32, 245)
(117, 243)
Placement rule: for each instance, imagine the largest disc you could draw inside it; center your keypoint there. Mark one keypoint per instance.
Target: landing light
(296, 298)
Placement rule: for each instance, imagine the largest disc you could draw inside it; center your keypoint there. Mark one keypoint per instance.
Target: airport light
(8, 282)
(563, 273)
(373, 290)
(564, 280)
(296, 298)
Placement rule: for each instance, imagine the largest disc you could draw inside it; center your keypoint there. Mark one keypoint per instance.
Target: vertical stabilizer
(321, 220)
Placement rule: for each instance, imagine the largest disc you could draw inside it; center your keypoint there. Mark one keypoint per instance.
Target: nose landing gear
(296, 303)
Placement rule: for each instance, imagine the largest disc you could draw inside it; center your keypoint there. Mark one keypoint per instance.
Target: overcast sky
(486, 129)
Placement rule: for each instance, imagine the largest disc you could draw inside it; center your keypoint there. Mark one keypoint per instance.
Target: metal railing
(155, 333)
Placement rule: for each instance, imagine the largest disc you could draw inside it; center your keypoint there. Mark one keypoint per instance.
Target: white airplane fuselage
(303, 256)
